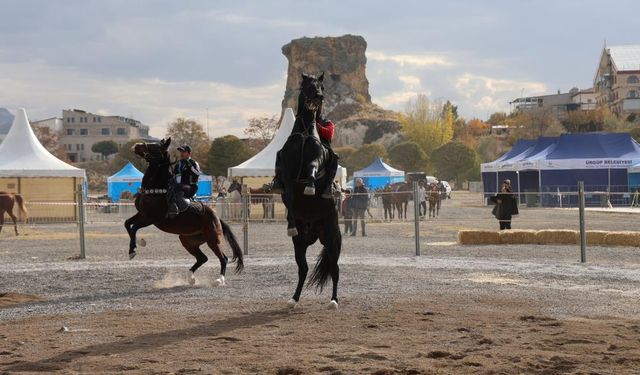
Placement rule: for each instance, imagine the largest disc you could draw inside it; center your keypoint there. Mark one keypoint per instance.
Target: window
(82, 146)
(68, 119)
(633, 94)
(73, 119)
(71, 131)
(633, 79)
(84, 131)
(121, 131)
(99, 119)
(94, 118)
(105, 131)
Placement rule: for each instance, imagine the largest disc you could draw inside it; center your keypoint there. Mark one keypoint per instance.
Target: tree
(345, 153)
(126, 155)
(489, 148)
(477, 127)
(50, 140)
(497, 118)
(187, 131)
(454, 161)
(428, 124)
(262, 129)
(105, 148)
(635, 134)
(533, 124)
(226, 152)
(408, 156)
(449, 107)
(365, 155)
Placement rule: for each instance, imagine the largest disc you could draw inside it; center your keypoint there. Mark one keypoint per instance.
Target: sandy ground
(454, 310)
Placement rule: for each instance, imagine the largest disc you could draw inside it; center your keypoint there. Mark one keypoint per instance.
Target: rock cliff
(347, 99)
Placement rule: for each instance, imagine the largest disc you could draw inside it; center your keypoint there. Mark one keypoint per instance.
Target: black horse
(301, 163)
(194, 228)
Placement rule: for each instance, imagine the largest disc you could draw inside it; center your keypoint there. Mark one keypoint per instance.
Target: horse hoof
(220, 281)
(132, 255)
(191, 277)
(292, 232)
(141, 242)
(309, 190)
(292, 303)
(333, 305)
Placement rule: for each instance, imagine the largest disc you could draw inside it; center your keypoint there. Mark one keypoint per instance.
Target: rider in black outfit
(185, 187)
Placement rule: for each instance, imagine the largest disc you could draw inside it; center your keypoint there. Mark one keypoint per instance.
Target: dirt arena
(453, 310)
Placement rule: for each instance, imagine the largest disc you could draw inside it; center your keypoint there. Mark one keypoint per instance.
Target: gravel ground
(379, 274)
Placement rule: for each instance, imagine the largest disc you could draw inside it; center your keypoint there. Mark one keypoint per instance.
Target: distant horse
(434, 201)
(7, 200)
(401, 197)
(302, 162)
(234, 197)
(193, 228)
(261, 196)
(386, 195)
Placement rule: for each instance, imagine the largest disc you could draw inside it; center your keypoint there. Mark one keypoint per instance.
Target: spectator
(422, 196)
(347, 212)
(505, 206)
(360, 202)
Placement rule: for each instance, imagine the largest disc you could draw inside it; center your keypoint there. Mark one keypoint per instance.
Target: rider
(186, 174)
(326, 130)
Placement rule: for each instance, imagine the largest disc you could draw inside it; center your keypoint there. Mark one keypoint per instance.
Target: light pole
(518, 177)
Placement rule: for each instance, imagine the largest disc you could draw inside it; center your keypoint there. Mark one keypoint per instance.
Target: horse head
(157, 155)
(312, 91)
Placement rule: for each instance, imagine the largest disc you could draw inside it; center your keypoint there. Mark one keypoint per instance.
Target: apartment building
(81, 130)
(617, 80)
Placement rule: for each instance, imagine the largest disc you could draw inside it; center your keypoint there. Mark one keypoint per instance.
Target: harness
(305, 134)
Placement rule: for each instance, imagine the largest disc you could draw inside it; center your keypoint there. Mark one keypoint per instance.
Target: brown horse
(7, 200)
(401, 197)
(194, 226)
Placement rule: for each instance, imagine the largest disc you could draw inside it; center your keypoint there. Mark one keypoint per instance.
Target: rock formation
(347, 100)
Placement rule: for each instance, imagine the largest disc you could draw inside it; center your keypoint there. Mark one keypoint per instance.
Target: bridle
(161, 158)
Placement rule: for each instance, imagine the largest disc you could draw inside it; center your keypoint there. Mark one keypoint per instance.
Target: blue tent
(205, 186)
(502, 168)
(378, 174)
(127, 179)
(556, 164)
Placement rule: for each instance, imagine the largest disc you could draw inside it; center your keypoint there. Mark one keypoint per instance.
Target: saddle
(195, 207)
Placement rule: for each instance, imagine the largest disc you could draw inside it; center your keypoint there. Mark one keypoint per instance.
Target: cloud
(493, 94)
(417, 60)
(42, 88)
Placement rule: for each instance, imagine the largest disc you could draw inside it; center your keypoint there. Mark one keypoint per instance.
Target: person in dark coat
(347, 212)
(505, 205)
(360, 202)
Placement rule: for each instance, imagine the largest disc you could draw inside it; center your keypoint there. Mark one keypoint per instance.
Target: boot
(331, 191)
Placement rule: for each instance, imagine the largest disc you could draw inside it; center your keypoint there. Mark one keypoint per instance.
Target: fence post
(583, 233)
(416, 215)
(245, 219)
(80, 205)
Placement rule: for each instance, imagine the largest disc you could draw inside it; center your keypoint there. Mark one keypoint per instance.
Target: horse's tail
(327, 261)
(235, 247)
(22, 206)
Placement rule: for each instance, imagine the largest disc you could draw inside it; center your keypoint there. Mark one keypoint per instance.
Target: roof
(263, 163)
(128, 173)
(22, 155)
(378, 169)
(625, 57)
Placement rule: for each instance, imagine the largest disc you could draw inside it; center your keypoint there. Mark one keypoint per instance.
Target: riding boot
(332, 190)
(172, 210)
(181, 202)
(276, 186)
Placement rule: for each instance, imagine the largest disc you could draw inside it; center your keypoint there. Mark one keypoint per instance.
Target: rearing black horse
(301, 164)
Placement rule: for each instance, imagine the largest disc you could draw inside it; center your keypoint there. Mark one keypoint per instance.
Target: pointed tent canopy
(128, 173)
(378, 169)
(22, 155)
(263, 163)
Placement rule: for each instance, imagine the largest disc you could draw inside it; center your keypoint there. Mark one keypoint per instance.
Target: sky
(155, 60)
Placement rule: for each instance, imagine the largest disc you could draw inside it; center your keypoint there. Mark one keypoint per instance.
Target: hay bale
(557, 237)
(478, 237)
(628, 239)
(518, 237)
(596, 237)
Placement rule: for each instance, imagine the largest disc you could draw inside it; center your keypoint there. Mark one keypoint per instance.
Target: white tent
(27, 168)
(263, 163)
(22, 155)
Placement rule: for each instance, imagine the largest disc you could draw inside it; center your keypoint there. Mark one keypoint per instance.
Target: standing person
(422, 200)
(506, 205)
(360, 203)
(347, 212)
(186, 173)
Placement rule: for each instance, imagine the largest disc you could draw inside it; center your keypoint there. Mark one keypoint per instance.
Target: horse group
(395, 200)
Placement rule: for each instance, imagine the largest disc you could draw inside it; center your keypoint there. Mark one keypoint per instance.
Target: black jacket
(187, 172)
(508, 206)
(360, 198)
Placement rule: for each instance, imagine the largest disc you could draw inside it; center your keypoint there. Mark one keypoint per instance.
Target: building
(81, 130)
(559, 104)
(617, 80)
(583, 99)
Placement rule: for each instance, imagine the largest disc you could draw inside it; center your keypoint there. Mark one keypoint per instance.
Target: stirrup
(310, 190)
